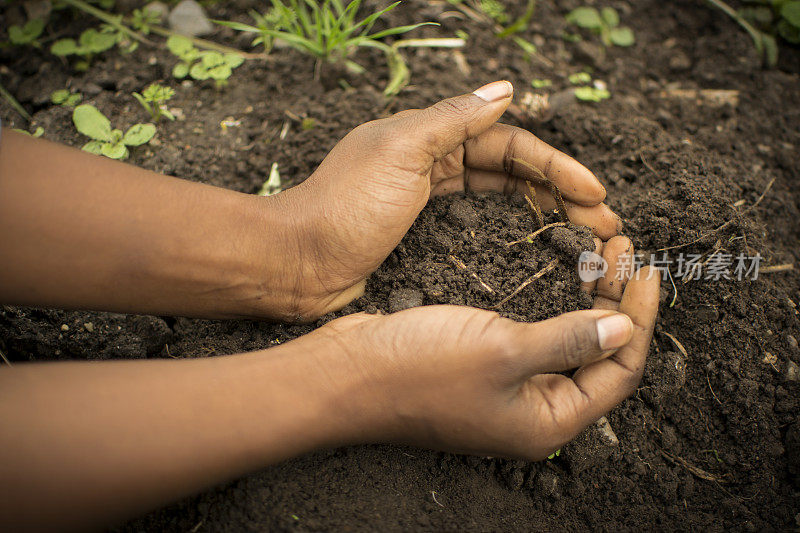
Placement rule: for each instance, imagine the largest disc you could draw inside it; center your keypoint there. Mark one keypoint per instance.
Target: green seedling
(580, 78)
(308, 123)
(105, 141)
(27, 34)
(592, 94)
(273, 183)
(528, 47)
(764, 21)
(142, 20)
(541, 83)
(553, 455)
(38, 132)
(201, 65)
(90, 43)
(154, 99)
(604, 23)
(521, 24)
(329, 32)
(120, 34)
(494, 10)
(65, 98)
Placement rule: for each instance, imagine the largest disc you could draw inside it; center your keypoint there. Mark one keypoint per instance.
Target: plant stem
(208, 45)
(108, 19)
(14, 103)
(728, 10)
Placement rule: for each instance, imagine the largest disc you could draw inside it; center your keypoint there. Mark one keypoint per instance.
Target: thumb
(570, 340)
(446, 124)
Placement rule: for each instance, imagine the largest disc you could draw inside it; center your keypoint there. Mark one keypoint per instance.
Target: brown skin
(89, 444)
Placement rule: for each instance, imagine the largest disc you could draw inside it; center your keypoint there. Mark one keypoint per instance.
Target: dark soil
(710, 441)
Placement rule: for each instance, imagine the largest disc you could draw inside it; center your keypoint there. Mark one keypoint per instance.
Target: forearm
(82, 231)
(88, 444)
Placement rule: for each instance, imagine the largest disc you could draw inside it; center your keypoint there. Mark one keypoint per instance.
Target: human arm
(89, 444)
(81, 231)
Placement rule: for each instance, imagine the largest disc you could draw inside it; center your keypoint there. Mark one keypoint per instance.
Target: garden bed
(710, 440)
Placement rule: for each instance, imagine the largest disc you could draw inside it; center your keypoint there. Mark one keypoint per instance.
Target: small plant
(27, 34)
(65, 98)
(105, 141)
(120, 34)
(553, 455)
(143, 19)
(604, 23)
(201, 65)
(329, 32)
(38, 132)
(595, 92)
(592, 94)
(90, 43)
(154, 99)
(494, 10)
(273, 183)
(580, 78)
(764, 20)
(541, 83)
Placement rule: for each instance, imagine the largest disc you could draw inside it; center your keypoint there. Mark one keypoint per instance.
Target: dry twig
(550, 266)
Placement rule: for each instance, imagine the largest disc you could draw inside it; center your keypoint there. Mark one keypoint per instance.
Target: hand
(467, 380)
(357, 206)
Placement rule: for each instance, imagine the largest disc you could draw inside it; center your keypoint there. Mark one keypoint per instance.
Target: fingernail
(491, 92)
(614, 331)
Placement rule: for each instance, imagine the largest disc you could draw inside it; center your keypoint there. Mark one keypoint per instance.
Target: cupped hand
(357, 206)
(466, 380)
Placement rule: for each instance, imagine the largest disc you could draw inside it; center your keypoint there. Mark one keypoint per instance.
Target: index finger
(496, 148)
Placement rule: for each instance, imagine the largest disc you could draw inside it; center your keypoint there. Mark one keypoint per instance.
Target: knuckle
(576, 343)
(457, 107)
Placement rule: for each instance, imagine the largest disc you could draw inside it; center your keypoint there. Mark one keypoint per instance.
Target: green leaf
(789, 32)
(91, 122)
(400, 29)
(95, 42)
(139, 134)
(60, 96)
(64, 47)
(144, 103)
(238, 26)
(610, 17)
(622, 36)
(199, 71)
(770, 49)
(273, 183)
(181, 70)
(541, 83)
(220, 72)
(94, 147)
(527, 46)
(179, 45)
(791, 13)
(521, 23)
(580, 78)
(399, 74)
(233, 60)
(212, 59)
(591, 94)
(585, 17)
(114, 150)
